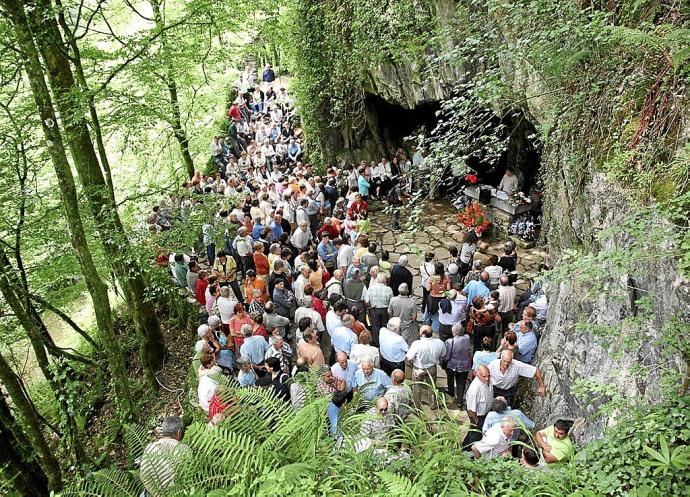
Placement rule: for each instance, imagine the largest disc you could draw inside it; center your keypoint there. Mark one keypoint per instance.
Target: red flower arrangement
(474, 217)
(471, 178)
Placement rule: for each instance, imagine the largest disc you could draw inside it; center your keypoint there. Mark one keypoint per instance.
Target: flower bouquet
(471, 178)
(518, 198)
(474, 218)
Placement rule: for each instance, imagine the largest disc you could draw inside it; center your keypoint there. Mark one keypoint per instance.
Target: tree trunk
(17, 461)
(49, 463)
(104, 210)
(178, 129)
(38, 334)
(83, 83)
(68, 194)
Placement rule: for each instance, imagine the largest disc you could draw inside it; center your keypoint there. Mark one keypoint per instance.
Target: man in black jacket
(400, 274)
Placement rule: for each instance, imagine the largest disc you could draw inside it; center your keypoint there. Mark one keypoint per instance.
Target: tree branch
(67, 320)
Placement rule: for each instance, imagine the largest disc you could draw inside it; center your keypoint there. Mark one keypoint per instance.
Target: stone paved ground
(440, 230)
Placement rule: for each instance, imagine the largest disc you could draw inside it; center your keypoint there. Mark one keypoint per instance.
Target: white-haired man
(405, 308)
(377, 300)
(392, 347)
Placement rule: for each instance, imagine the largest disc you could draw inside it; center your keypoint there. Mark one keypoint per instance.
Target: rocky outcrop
(568, 353)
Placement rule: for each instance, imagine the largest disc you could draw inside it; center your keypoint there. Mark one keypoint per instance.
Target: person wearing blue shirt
(345, 370)
(276, 227)
(500, 410)
(257, 230)
(343, 338)
(477, 288)
(371, 381)
(363, 185)
(337, 401)
(327, 252)
(526, 341)
(246, 375)
(254, 347)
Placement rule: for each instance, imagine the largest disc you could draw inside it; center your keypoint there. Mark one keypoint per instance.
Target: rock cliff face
(577, 211)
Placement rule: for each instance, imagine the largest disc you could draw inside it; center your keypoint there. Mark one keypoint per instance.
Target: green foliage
(330, 47)
(264, 447)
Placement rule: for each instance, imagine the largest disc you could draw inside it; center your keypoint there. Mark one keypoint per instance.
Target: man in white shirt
(242, 244)
(478, 400)
(306, 311)
(496, 441)
(509, 182)
(301, 238)
(226, 305)
(424, 355)
(506, 301)
(505, 373)
(160, 458)
(299, 284)
(345, 254)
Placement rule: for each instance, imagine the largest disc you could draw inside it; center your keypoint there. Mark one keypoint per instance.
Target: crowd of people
(299, 286)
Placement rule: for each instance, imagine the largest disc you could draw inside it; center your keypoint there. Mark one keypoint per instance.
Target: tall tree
(95, 285)
(169, 79)
(49, 41)
(18, 464)
(21, 401)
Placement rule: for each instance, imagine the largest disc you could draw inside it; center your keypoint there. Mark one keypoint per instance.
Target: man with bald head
(399, 275)
(371, 381)
(405, 308)
(376, 430)
(482, 254)
(505, 373)
(478, 401)
(399, 395)
(345, 370)
(478, 288)
(506, 301)
(335, 284)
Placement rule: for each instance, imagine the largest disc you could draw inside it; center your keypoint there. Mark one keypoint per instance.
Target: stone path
(439, 231)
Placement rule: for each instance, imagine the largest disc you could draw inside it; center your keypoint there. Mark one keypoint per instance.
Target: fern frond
(399, 485)
(106, 483)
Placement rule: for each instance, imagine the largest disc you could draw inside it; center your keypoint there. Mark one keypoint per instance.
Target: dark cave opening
(390, 126)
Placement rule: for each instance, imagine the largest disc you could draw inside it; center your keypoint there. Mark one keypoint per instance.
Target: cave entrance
(523, 152)
(390, 124)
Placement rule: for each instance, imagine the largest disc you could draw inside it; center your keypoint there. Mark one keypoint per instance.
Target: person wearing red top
(234, 112)
(201, 285)
(328, 227)
(258, 327)
(316, 303)
(235, 325)
(358, 209)
(216, 405)
(261, 262)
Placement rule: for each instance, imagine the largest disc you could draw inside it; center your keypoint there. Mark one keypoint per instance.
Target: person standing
(424, 355)
(505, 373)
(405, 308)
(458, 363)
(378, 298)
(478, 401)
(160, 458)
(400, 274)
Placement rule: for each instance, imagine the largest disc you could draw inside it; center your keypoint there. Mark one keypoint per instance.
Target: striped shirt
(379, 296)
